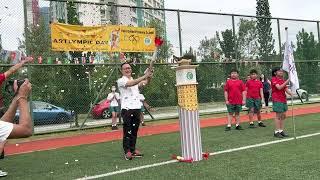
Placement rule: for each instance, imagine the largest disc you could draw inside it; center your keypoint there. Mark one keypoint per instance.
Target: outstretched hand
(27, 60)
(24, 89)
(148, 73)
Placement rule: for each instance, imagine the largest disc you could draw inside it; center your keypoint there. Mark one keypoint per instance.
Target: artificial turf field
(296, 159)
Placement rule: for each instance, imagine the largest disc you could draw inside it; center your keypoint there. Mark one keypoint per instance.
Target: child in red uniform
(235, 96)
(254, 98)
(279, 100)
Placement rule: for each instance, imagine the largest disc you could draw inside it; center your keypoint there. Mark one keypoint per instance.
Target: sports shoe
(251, 125)
(260, 124)
(238, 128)
(143, 124)
(3, 174)
(128, 156)
(137, 154)
(227, 128)
(284, 134)
(114, 127)
(278, 135)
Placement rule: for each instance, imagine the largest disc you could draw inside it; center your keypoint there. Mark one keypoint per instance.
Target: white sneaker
(3, 174)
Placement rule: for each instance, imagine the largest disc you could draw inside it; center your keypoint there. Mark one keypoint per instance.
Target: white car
(303, 95)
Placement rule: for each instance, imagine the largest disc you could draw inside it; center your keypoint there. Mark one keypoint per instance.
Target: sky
(194, 26)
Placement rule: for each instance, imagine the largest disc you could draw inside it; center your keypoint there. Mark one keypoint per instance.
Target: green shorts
(254, 103)
(114, 109)
(279, 107)
(232, 108)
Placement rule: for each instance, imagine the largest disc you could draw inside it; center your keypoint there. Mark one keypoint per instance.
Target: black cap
(274, 70)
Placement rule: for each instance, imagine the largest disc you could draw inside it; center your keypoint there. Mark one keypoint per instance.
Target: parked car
(303, 94)
(101, 109)
(45, 113)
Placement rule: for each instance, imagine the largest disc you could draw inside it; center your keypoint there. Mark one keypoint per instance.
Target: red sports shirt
(253, 88)
(234, 89)
(278, 95)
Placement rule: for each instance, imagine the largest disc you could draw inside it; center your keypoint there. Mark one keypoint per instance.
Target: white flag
(289, 66)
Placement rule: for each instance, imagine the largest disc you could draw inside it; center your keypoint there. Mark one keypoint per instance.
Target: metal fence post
(234, 38)
(97, 98)
(318, 31)
(29, 73)
(179, 31)
(279, 37)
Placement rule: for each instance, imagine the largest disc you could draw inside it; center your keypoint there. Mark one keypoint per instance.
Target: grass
(281, 161)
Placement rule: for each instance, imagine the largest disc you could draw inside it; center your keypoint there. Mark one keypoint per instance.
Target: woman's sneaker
(128, 156)
(260, 124)
(137, 154)
(114, 127)
(278, 135)
(284, 134)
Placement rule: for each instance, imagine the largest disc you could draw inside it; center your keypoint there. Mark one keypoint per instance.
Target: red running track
(54, 143)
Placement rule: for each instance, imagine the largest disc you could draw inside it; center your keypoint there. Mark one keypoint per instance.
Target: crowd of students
(254, 94)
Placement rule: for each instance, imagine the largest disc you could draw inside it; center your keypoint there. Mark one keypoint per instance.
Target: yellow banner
(102, 38)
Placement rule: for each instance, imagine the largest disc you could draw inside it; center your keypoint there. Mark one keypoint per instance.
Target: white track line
(215, 153)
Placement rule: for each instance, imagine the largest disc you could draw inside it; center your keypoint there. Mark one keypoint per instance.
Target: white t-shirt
(142, 98)
(114, 101)
(5, 130)
(129, 95)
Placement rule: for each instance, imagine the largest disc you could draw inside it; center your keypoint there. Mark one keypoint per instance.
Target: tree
(190, 55)
(162, 91)
(307, 47)
(227, 43)
(165, 50)
(73, 17)
(265, 39)
(208, 48)
(247, 39)
(38, 41)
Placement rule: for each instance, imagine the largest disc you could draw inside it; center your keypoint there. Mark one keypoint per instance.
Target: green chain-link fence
(63, 94)
(66, 85)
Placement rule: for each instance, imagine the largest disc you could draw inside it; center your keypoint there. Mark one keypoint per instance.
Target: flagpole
(292, 118)
(292, 107)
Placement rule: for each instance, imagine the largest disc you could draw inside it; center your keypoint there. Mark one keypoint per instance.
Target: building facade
(32, 12)
(91, 14)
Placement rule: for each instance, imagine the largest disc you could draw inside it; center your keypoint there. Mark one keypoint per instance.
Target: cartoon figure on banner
(114, 39)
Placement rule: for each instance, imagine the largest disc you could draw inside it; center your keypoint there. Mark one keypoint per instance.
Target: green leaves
(265, 38)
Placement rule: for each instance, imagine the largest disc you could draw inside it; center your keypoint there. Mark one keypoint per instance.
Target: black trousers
(266, 98)
(131, 122)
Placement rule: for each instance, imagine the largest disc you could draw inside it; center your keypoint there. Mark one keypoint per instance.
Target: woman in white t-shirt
(114, 98)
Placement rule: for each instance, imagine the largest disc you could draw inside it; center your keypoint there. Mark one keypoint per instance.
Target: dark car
(101, 109)
(45, 113)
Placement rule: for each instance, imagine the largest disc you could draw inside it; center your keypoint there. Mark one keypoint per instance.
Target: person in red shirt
(5, 75)
(255, 98)
(279, 100)
(235, 97)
